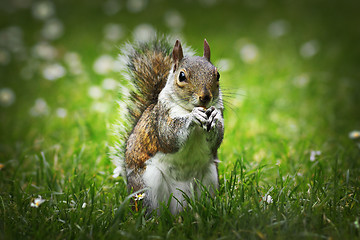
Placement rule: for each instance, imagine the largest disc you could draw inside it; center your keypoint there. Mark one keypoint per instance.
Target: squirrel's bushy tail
(147, 66)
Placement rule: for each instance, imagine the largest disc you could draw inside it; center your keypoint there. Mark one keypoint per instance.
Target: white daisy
(249, 53)
(73, 62)
(40, 108)
(174, 20)
(104, 64)
(43, 10)
(44, 50)
(95, 92)
(7, 97)
(309, 49)
(113, 32)
(53, 29)
(37, 202)
(136, 6)
(144, 32)
(354, 134)
(109, 84)
(53, 71)
(278, 28)
(61, 112)
(313, 155)
(268, 199)
(140, 196)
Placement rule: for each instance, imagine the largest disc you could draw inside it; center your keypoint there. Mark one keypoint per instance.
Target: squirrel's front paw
(213, 117)
(200, 117)
(206, 119)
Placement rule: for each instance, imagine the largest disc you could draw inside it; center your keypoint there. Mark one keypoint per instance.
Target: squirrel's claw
(213, 119)
(207, 119)
(210, 110)
(200, 116)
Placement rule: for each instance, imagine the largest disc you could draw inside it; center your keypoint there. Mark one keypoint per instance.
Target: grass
(279, 109)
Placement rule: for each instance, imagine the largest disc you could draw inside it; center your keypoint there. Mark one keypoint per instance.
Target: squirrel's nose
(204, 98)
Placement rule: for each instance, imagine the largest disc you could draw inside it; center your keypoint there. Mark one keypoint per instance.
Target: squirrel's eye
(182, 77)
(218, 76)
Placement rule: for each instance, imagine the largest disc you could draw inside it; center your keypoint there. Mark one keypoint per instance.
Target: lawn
(290, 159)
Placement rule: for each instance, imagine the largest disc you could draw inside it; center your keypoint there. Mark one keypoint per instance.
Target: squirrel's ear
(177, 54)
(206, 50)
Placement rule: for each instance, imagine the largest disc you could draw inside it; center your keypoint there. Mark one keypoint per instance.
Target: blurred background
(289, 72)
(290, 75)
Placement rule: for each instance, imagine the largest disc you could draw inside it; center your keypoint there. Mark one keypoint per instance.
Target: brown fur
(153, 129)
(151, 134)
(149, 68)
(142, 143)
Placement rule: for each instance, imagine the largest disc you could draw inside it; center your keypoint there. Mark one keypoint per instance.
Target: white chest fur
(176, 173)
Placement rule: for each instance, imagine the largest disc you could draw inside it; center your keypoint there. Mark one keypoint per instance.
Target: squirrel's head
(196, 79)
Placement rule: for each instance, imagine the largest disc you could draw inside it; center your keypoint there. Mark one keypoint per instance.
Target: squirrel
(176, 125)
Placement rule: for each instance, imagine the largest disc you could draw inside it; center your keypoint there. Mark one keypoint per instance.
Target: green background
(299, 94)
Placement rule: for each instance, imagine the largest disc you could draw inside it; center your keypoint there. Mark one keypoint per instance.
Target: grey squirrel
(175, 122)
